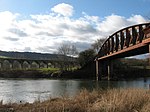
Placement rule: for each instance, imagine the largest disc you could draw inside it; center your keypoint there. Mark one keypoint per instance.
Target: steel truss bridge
(129, 41)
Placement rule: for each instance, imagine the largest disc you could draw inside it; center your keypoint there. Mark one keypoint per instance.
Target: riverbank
(31, 73)
(51, 73)
(87, 72)
(114, 100)
(24, 74)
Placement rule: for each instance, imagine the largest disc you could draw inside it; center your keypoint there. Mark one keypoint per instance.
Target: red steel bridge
(130, 41)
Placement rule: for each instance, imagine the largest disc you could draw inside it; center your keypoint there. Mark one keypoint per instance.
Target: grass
(3, 57)
(47, 70)
(141, 67)
(114, 100)
(43, 70)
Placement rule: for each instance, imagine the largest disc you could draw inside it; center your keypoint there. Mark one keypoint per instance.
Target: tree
(67, 50)
(73, 51)
(64, 49)
(98, 44)
(86, 56)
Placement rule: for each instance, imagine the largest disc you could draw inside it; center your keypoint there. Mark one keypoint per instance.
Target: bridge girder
(130, 41)
(126, 42)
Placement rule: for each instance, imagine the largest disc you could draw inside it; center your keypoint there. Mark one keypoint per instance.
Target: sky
(44, 25)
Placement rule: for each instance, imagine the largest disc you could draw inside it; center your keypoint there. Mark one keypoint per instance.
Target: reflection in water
(31, 90)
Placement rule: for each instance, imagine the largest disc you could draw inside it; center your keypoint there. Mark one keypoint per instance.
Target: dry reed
(114, 100)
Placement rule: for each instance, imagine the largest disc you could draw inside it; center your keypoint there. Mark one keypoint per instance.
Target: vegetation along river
(29, 90)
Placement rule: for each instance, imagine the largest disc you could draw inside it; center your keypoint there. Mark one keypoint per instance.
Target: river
(27, 90)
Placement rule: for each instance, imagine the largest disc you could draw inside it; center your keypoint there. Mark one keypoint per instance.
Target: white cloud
(44, 33)
(113, 23)
(7, 19)
(136, 19)
(63, 9)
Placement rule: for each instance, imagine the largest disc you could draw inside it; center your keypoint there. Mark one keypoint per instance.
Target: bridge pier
(98, 70)
(109, 70)
(104, 68)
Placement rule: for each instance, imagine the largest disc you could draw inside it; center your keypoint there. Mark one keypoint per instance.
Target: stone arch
(7, 65)
(57, 64)
(16, 64)
(26, 65)
(43, 64)
(35, 64)
(50, 65)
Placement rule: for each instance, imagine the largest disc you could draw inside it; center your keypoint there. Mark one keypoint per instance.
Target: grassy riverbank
(73, 73)
(114, 100)
(30, 73)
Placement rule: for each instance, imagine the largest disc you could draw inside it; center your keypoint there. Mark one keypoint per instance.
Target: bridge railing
(123, 38)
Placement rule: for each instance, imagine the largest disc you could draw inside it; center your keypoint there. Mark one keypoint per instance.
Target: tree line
(125, 67)
(83, 57)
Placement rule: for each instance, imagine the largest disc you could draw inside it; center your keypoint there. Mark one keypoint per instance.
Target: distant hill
(32, 56)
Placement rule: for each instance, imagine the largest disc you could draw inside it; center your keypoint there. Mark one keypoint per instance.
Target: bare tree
(97, 44)
(67, 50)
(73, 51)
(64, 49)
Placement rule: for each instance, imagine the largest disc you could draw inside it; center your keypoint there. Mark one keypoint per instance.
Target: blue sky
(43, 25)
(99, 8)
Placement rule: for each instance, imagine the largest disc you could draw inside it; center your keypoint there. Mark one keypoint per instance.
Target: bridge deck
(130, 41)
(121, 53)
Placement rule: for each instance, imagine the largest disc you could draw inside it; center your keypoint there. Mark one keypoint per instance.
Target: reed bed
(113, 100)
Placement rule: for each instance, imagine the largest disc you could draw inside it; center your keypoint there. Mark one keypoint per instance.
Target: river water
(27, 90)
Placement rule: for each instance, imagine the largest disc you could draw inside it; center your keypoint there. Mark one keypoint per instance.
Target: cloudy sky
(43, 25)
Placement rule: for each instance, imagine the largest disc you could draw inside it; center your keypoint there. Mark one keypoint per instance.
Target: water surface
(25, 90)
